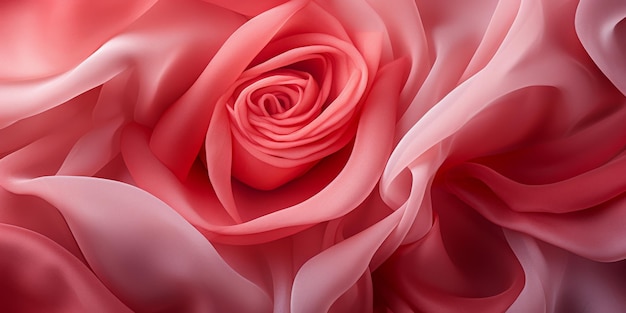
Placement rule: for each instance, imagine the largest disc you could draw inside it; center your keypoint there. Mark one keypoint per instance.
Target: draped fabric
(313, 156)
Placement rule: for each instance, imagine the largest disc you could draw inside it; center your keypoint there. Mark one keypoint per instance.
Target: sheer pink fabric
(312, 156)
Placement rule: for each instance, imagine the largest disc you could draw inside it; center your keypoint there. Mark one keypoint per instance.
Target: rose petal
(558, 281)
(41, 276)
(143, 48)
(196, 106)
(248, 7)
(145, 252)
(601, 26)
(41, 38)
(321, 280)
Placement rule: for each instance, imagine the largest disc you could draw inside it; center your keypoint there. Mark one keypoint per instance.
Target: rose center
(276, 104)
(291, 110)
(273, 100)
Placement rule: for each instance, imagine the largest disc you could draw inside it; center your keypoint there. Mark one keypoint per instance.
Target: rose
(285, 116)
(299, 96)
(344, 75)
(127, 96)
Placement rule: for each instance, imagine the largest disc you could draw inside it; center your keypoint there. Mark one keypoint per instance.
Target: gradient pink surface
(313, 156)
